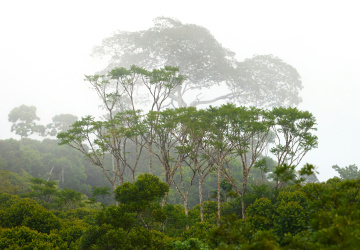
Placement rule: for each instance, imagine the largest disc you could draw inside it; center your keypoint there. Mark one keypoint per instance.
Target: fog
(45, 49)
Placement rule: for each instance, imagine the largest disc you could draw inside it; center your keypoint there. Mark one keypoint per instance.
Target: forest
(75, 206)
(169, 166)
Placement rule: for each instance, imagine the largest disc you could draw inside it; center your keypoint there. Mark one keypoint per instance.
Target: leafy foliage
(350, 172)
(26, 238)
(263, 80)
(26, 212)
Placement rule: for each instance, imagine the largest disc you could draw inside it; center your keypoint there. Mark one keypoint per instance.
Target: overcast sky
(45, 51)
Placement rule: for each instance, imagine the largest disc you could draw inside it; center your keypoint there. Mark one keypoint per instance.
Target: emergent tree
(263, 80)
(23, 119)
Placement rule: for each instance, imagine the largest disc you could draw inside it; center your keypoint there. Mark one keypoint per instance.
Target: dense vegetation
(182, 178)
(52, 198)
(145, 176)
(308, 216)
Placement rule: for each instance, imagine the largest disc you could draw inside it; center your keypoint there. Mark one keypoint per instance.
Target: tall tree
(350, 172)
(249, 134)
(60, 123)
(262, 80)
(186, 148)
(293, 135)
(121, 84)
(194, 123)
(98, 140)
(218, 136)
(23, 119)
(165, 143)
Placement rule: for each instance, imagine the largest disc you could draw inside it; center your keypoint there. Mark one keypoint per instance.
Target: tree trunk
(113, 183)
(163, 203)
(150, 158)
(242, 207)
(168, 182)
(121, 179)
(133, 176)
(245, 176)
(201, 201)
(179, 99)
(218, 196)
(186, 210)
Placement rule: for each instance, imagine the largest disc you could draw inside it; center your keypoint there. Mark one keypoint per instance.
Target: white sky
(45, 51)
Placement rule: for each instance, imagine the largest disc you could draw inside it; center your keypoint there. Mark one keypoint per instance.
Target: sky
(45, 49)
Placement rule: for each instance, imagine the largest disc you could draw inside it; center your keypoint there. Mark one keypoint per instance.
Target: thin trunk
(242, 207)
(150, 158)
(245, 176)
(133, 176)
(113, 162)
(168, 182)
(121, 179)
(186, 210)
(113, 183)
(119, 173)
(62, 175)
(164, 200)
(218, 196)
(201, 201)
(50, 173)
(114, 187)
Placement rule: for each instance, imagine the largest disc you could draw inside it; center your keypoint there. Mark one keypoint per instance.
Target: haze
(45, 51)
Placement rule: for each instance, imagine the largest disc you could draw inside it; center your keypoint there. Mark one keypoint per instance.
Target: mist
(45, 53)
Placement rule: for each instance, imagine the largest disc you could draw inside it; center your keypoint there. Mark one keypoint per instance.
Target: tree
(293, 134)
(142, 198)
(47, 194)
(132, 224)
(67, 199)
(218, 135)
(257, 133)
(187, 135)
(333, 213)
(267, 81)
(47, 160)
(24, 120)
(103, 192)
(43, 191)
(60, 123)
(99, 140)
(13, 183)
(291, 215)
(15, 212)
(261, 213)
(191, 136)
(249, 135)
(350, 172)
(26, 238)
(165, 143)
(293, 137)
(262, 80)
(142, 193)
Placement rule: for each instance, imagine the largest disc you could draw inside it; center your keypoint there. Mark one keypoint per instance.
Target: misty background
(45, 49)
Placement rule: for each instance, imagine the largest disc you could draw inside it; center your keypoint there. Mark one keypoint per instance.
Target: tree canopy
(60, 123)
(350, 172)
(263, 80)
(24, 121)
